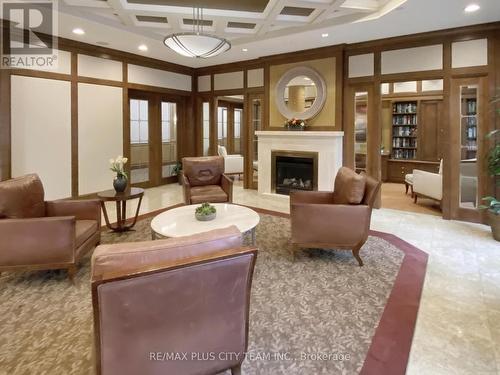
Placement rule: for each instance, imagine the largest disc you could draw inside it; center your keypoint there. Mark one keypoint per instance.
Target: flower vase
(120, 183)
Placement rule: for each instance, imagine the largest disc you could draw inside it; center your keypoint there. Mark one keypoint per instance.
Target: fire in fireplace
(294, 171)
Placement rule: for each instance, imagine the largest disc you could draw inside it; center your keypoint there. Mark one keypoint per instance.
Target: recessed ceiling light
(244, 49)
(143, 47)
(324, 35)
(472, 8)
(78, 31)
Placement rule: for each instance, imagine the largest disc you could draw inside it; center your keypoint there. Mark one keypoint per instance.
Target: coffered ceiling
(238, 21)
(259, 27)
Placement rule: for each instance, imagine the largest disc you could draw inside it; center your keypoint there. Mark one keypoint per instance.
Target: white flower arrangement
(117, 166)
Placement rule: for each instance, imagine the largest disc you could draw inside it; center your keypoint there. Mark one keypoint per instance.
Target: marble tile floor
(458, 326)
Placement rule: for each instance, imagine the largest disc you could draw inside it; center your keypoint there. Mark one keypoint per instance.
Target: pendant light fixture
(197, 43)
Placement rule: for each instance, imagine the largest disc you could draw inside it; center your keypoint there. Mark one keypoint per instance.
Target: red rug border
(390, 347)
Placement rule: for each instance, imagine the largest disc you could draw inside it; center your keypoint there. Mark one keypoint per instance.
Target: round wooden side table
(121, 207)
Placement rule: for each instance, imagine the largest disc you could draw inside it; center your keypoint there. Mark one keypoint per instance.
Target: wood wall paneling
(5, 132)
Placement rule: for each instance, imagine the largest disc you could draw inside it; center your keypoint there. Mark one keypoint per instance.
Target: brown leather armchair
(39, 235)
(334, 220)
(204, 180)
(174, 306)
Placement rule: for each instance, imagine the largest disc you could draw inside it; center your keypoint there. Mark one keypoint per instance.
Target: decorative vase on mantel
(121, 180)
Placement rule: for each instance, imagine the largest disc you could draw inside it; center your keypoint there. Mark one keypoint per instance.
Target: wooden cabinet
(397, 169)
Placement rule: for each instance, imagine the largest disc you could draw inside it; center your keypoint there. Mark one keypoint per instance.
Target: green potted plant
(177, 171)
(492, 203)
(205, 212)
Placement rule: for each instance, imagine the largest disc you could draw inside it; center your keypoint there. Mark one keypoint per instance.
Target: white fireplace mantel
(328, 145)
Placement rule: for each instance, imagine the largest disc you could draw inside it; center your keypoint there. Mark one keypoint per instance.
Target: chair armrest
(297, 196)
(428, 184)
(227, 186)
(186, 189)
(330, 224)
(89, 209)
(34, 241)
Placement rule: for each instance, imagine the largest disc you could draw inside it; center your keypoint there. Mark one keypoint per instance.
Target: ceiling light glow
(324, 35)
(472, 8)
(244, 49)
(143, 47)
(78, 31)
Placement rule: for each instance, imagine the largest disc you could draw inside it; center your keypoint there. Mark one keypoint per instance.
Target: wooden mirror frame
(318, 103)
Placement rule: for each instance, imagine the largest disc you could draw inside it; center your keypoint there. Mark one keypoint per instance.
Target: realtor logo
(28, 34)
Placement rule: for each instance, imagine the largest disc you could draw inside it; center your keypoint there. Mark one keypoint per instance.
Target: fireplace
(294, 170)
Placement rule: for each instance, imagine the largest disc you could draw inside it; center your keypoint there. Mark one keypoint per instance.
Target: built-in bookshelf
(469, 126)
(404, 130)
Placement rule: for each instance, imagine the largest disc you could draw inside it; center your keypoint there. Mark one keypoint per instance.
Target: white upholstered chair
(233, 164)
(427, 184)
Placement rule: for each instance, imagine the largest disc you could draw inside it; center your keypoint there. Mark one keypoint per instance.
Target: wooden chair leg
(414, 198)
(406, 186)
(72, 270)
(236, 370)
(355, 252)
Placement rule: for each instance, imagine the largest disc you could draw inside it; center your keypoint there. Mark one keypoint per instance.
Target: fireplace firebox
(293, 170)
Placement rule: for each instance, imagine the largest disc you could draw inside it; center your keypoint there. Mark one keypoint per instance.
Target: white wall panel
(432, 85)
(412, 59)
(61, 65)
(41, 132)
(204, 83)
(361, 65)
(159, 78)
(255, 78)
(401, 87)
(100, 135)
(469, 53)
(95, 67)
(228, 81)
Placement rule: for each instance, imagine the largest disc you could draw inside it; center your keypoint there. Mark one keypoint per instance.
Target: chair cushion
(206, 170)
(409, 178)
(22, 197)
(208, 193)
(84, 230)
(349, 187)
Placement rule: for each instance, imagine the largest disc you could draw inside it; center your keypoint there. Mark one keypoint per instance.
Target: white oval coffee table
(180, 221)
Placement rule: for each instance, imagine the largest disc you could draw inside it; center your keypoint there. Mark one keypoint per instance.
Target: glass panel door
(139, 141)
(360, 130)
(206, 128)
(222, 126)
(255, 125)
(168, 138)
(468, 196)
(238, 117)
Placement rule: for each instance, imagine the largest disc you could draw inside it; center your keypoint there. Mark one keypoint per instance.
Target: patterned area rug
(316, 315)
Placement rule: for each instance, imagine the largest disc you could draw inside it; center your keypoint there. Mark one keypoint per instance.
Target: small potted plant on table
(205, 212)
(121, 179)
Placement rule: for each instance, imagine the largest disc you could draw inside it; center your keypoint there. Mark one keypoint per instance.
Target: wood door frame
(374, 130)
(249, 135)
(231, 106)
(154, 134)
(457, 212)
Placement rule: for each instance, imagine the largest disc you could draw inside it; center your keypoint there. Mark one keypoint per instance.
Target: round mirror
(300, 93)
